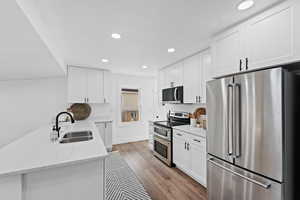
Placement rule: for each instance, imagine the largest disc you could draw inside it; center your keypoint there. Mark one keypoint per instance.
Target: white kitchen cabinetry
(198, 159)
(192, 79)
(87, 85)
(197, 71)
(77, 85)
(151, 134)
(173, 75)
(180, 154)
(269, 38)
(263, 41)
(105, 131)
(206, 72)
(95, 86)
(107, 86)
(189, 155)
(227, 52)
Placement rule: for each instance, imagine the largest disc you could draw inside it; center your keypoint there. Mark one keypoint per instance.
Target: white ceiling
(80, 29)
(22, 52)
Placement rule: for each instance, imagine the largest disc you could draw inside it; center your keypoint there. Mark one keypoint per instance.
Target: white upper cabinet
(192, 73)
(206, 73)
(95, 86)
(87, 85)
(269, 38)
(107, 85)
(77, 83)
(263, 41)
(227, 52)
(192, 79)
(173, 75)
(197, 71)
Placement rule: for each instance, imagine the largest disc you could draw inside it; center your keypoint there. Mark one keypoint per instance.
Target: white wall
(137, 130)
(182, 107)
(29, 104)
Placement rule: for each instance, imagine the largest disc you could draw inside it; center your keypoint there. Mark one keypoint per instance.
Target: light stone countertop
(192, 130)
(35, 151)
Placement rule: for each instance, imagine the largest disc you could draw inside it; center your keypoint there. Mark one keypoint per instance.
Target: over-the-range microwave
(173, 95)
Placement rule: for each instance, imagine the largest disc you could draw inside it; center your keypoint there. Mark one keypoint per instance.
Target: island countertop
(35, 151)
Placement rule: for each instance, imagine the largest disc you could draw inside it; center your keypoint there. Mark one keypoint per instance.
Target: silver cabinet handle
(197, 140)
(266, 186)
(188, 146)
(178, 134)
(185, 145)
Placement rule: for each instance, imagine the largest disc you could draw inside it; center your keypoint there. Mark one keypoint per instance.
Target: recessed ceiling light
(171, 50)
(116, 35)
(245, 4)
(105, 60)
(144, 67)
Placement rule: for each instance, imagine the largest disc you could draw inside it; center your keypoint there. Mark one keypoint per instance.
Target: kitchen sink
(76, 136)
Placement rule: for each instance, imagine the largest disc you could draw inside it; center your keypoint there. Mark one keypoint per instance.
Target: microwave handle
(175, 94)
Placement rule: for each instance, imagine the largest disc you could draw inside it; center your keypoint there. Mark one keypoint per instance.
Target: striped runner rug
(121, 182)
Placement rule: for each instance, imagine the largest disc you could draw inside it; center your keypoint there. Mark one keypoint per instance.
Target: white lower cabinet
(180, 154)
(189, 155)
(151, 133)
(105, 131)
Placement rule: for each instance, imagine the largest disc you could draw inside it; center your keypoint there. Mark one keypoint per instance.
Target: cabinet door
(160, 84)
(192, 79)
(107, 86)
(95, 86)
(108, 135)
(173, 75)
(77, 85)
(206, 73)
(101, 129)
(180, 154)
(198, 161)
(269, 38)
(227, 53)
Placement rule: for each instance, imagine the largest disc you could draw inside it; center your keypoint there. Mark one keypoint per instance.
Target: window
(130, 111)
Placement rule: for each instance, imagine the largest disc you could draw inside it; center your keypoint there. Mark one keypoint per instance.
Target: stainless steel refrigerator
(250, 137)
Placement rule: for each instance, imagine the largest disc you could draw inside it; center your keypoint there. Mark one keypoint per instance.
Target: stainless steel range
(162, 144)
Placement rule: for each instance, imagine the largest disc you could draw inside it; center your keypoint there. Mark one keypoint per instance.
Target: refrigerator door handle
(230, 88)
(266, 186)
(237, 120)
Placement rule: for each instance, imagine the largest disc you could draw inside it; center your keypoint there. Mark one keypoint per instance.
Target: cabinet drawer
(180, 135)
(199, 141)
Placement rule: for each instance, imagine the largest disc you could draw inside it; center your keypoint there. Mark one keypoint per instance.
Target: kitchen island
(34, 168)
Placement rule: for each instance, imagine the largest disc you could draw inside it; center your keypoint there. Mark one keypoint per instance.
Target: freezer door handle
(237, 120)
(230, 88)
(266, 186)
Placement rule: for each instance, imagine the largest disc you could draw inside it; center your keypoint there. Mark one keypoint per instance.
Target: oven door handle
(163, 137)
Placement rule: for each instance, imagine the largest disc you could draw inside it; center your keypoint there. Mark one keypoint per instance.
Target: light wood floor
(160, 181)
